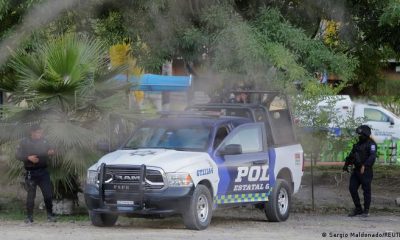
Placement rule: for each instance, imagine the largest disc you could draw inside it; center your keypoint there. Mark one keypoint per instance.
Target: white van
(384, 124)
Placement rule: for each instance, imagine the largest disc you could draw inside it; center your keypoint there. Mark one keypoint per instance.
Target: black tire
(198, 209)
(103, 219)
(278, 206)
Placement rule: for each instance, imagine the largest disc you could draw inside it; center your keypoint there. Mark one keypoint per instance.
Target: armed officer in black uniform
(34, 152)
(362, 157)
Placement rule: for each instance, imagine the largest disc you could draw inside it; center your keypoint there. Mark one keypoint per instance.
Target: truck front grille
(116, 176)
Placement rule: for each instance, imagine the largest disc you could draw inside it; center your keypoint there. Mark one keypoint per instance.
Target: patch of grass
(19, 215)
(14, 210)
(7, 215)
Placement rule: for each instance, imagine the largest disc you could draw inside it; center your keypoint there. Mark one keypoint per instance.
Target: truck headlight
(179, 180)
(92, 177)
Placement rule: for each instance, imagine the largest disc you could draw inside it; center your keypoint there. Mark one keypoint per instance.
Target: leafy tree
(110, 29)
(269, 50)
(11, 13)
(391, 14)
(390, 102)
(368, 30)
(370, 41)
(198, 30)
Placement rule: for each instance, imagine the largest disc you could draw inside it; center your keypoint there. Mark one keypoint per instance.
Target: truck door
(382, 125)
(243, 166)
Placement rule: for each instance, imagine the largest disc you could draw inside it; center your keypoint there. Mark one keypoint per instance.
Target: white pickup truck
(192, 163)
(384, 124)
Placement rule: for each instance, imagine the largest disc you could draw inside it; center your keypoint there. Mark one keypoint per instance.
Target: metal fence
(388, 153)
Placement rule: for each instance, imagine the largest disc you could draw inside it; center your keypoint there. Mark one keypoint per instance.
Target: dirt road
(237, 224)
(332, 200)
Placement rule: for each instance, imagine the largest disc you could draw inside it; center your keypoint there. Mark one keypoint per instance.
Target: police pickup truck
(190, 163)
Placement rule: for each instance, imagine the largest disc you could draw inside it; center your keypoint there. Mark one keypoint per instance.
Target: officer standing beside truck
(34, 151)
(362, 157)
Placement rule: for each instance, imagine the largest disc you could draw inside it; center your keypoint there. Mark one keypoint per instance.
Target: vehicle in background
(383, 123)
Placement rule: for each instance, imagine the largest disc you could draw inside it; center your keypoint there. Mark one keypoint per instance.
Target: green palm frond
(8, 83)
(69, 61)
(58, 70)
(28, 67)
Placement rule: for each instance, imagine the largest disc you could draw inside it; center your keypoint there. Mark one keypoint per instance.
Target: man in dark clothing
(362, 157)
(34, 152)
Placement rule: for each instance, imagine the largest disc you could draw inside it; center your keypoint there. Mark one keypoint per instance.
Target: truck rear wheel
(278, 207)
(199, 209)
(103, 219)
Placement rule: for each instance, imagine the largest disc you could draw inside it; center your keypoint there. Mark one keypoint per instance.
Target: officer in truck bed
(362, 157)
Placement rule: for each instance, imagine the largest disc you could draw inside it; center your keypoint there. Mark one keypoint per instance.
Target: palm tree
(66, 85)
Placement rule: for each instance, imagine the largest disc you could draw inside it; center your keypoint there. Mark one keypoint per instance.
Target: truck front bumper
(165, 202)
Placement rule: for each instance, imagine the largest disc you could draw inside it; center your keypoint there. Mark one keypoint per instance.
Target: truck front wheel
(103, 219)
(197, 215)
(278, 206)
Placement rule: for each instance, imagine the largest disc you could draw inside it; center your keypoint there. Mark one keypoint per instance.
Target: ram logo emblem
(126, 177)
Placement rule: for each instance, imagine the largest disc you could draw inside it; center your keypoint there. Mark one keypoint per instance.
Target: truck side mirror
(231, 149)
(391, 120)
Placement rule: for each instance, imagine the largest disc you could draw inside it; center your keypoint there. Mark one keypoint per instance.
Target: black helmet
(364, 130)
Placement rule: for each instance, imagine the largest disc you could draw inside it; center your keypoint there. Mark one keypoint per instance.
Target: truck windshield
(182, 139)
